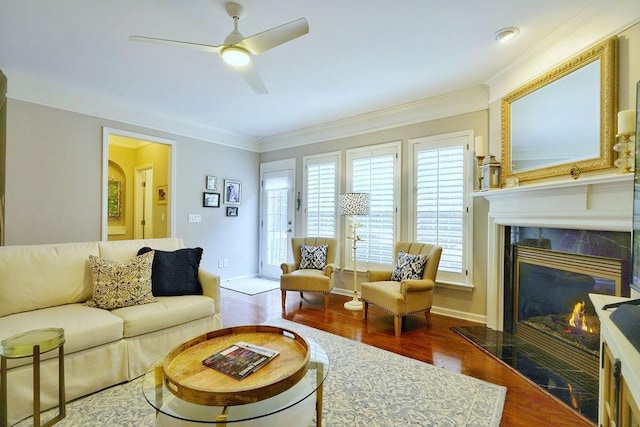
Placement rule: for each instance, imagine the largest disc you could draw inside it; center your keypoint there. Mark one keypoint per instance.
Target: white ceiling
(359, 56)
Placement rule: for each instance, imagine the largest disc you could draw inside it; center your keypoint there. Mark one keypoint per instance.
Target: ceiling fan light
(506, 34)
(236, 56)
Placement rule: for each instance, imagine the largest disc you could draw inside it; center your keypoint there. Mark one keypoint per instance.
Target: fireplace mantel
(603, 202)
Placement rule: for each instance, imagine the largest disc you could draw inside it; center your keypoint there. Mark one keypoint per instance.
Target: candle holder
(625, 163)
(490, 173)
(479, 160)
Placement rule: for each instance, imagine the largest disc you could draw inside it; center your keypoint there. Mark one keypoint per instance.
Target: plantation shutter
(321, 182)
(374, 172)
(321, 200)
(440, 203)
(439, 181)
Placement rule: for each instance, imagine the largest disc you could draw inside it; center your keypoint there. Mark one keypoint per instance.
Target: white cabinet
(619, 371)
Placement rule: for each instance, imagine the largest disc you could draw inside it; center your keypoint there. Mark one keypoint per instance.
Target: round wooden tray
(187, 378)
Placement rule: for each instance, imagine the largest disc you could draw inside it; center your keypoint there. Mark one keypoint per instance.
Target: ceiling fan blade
(253, 79)
(276, 36)
(198, 46)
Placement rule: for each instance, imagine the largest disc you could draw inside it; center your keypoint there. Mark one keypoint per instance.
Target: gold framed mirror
(563, 119)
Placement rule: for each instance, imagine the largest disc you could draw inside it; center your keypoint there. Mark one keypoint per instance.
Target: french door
(276, 217)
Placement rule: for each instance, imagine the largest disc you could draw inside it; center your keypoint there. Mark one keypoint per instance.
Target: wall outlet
(220, 264)
(195, 218)
(225, 262)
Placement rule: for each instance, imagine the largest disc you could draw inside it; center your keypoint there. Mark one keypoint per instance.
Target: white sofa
(45, 286)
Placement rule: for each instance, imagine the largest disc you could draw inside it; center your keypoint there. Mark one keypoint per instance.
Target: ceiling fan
(237, 49)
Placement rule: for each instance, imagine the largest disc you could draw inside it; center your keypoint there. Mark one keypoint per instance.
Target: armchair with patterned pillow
(408, 289)
(312, 267)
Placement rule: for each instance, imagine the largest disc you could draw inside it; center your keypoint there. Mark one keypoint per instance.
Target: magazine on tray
(240, 359)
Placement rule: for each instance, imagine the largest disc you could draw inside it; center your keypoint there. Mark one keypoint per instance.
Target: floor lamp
(352, 204)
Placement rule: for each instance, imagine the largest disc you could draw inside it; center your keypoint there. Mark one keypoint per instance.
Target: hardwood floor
(525, 405)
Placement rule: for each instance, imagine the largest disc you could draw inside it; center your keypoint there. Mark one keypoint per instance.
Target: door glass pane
(277, 222)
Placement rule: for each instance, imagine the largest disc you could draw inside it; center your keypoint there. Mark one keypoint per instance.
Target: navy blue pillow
(175, 273)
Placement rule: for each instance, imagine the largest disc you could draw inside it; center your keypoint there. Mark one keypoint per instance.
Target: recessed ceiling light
(506, 34)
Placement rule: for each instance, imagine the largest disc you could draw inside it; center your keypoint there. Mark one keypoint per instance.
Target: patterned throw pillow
(408, 266)
(314, 257)
(118, 284)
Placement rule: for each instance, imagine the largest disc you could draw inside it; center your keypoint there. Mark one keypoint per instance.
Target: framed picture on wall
(232, 211)
(162, 195)
(211, 200)
(212, 183)
(232, 192)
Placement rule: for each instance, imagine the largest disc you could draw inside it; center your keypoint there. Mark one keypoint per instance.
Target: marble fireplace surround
(603, 202)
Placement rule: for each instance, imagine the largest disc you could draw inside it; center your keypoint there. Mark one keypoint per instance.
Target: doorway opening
(138, 183)
(276, 216)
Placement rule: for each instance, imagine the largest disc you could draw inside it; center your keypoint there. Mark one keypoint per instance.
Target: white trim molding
(603, 202)
(460, 102)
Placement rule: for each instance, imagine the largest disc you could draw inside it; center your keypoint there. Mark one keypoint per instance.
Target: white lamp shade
(354, 204)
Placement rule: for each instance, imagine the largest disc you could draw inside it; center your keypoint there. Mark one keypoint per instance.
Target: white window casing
(440, 177)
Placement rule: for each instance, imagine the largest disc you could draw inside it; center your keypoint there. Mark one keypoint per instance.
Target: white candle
(626, 122)
(479, 146)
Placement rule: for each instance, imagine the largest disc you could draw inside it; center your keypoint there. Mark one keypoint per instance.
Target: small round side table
(27, 344)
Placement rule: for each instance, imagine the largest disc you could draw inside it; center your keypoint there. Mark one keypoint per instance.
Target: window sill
(455, 285)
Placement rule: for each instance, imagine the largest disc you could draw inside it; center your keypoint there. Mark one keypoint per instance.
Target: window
(320, 189)
(439, 205)
(375, 170)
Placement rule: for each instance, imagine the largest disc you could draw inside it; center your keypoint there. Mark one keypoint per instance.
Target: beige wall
(457, 302)
(54, 186)
(451, 300)
(53, 177)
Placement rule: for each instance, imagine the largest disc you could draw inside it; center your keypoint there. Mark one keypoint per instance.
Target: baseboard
(341, 291)
(245, 277)
(472, 317)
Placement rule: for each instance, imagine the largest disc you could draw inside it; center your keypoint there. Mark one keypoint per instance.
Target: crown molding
(27, 88)
(460, 102)
(575, 36)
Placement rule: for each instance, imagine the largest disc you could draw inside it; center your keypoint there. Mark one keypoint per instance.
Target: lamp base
(355, 304)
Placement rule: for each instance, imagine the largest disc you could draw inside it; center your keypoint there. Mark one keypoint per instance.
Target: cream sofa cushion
(39, 276)
(84, 327)
(166, 312)
(124, 250)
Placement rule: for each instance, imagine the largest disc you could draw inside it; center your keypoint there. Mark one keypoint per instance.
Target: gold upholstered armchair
(408, 289)
(312, 267)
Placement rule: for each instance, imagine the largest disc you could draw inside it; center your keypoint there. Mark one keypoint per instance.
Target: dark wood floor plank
(525, 405)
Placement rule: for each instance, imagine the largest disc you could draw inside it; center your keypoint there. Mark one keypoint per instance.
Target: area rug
(251, 286)
(366, 386)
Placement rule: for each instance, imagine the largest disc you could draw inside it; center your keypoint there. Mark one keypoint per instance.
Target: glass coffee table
(286, 391)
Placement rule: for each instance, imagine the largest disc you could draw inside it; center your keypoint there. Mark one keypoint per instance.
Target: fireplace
(590, 218)
(550, 304)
